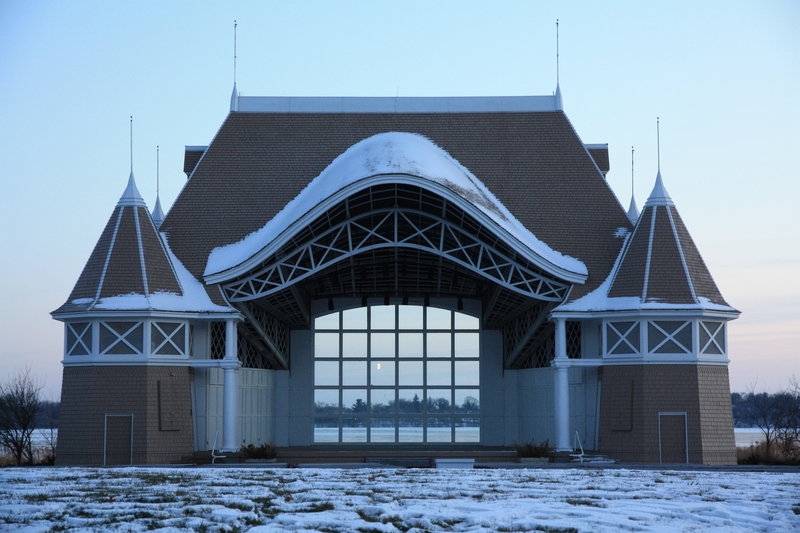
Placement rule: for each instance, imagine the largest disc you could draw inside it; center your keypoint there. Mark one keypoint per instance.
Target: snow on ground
(205, 499)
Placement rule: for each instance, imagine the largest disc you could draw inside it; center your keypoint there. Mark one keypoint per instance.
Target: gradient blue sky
(723, 76)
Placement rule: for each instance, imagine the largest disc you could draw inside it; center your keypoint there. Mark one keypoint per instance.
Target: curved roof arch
(392, 157)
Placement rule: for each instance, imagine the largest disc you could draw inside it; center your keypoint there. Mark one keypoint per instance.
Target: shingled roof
(128, 259)
(533, 161)
(662, 263)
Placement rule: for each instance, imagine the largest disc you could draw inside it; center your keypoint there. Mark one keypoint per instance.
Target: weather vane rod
(234, 52)
(158, 168)
(631, 171)
(557, 54)
(658, 142)
(131, 144)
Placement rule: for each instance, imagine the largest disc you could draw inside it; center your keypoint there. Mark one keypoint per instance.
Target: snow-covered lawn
(96, 499)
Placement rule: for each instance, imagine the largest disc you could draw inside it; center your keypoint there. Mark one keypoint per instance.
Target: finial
(234, 51)
(633, 211)
(158, 169)
(658, 142)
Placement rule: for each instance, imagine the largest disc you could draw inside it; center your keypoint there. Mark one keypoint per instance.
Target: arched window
(396, 374)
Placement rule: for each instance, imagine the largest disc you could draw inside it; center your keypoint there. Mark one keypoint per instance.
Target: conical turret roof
(661, 263)
(129, 259)
(158, 214)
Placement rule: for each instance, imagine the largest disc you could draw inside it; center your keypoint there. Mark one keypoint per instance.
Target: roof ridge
(689, 279)
(108, 258)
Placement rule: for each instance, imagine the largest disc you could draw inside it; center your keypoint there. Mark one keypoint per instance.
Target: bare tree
(761, 413)
(19, 407)
(787, 414)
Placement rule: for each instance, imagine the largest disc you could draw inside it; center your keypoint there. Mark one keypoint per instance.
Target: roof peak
(399, 104)
(130, 195)
(157, 214)
(659, 195)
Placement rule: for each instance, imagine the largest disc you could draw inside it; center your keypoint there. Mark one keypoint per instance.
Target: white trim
(639, 361)
(689, 279)
(596, 146)
(127, 360)
(108, 258)
(681, 313)
(483, 219)
(121, 313)
(141, 252)
(195, 148)
(646, 281)
(389, 104)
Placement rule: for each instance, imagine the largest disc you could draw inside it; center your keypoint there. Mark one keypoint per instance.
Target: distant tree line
(776, 415)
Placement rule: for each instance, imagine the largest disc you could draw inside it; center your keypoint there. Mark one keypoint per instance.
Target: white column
(230, 389)
(561, 387)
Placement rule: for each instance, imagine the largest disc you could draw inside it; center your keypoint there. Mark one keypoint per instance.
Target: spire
(559, 104)
(130, 195)
(633, 211)
(659, 195)
(158, 213)
(235, 92)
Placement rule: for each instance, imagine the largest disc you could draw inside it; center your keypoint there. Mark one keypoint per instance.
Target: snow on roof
(599, 300)
(390, 153)
(194, 298)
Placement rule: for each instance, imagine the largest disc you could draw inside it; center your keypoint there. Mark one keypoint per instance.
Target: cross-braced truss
(396, 228)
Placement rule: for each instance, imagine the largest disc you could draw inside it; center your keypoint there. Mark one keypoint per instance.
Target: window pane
(410, 344)
(330, 321)
(654, 337)
(326, 401)
(326, 373)
(382, 400)
(382, 316)
(439, 345)
(410, 401)
(382, 430)
(467, 401)
(439, 318)
(382, 345)
(684, 336)
(326, 344)
(467, 373)
(465, 321)
(354, 430)
(409, 430)
(326, 430)
(438, 373)
(410, 373)
(439, 430)
(612, 337)
(439, 401)
(382, 373)
(354, 373)
(468, 430)
(354, 345)
(410, 316)
(355, 318)
(354, 401)
(168, 327)
(467, 345)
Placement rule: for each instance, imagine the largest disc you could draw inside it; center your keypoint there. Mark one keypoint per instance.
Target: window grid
(405, 400)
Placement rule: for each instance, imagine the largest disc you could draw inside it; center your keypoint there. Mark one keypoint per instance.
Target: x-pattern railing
(626, 334)
(670, 336)
(395, 227)
(715, 337)
(168, 338)
(83, 337)
(123, 337)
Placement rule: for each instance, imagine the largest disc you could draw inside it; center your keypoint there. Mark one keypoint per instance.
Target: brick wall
(157, 397)
(633, 396)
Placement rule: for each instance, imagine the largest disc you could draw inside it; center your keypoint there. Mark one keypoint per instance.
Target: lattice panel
(249, 356)
(573, 339)
(544, 353)
(216, 344)
(277, 331)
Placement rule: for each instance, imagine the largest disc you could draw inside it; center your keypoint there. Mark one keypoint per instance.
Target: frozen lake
(257, 499)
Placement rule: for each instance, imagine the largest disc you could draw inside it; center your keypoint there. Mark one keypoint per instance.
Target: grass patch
(581, 501)
(317, 507)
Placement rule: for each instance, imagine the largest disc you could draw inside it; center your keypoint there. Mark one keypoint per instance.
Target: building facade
(395, 272)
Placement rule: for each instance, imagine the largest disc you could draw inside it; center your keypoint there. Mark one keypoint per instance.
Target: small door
(672, 438)
(119, 440)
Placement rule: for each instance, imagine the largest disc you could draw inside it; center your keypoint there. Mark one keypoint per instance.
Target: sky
(723, 76)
